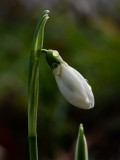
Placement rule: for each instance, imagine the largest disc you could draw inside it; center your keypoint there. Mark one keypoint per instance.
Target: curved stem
(32, 112)
(33, 122)
(33, 86)
(44, 51)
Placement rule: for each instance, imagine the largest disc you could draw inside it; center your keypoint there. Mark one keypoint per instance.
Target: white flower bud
(73, 86)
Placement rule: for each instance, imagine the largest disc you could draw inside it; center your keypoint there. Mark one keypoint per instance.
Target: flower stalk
(33, 85)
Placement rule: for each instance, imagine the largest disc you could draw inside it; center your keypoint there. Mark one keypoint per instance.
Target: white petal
(74, 86)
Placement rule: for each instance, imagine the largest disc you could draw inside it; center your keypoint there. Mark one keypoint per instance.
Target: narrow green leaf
(39, 33)
(81, 152)
(33, 77)
(33, 85)
(37, 46)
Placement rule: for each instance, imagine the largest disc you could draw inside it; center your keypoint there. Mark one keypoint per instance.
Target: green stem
(32, 113)
(33, 85)
(33, 148)
(33, 100)
(44, 51)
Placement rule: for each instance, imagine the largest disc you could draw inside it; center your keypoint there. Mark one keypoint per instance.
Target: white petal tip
(90, 105)
(86, 105)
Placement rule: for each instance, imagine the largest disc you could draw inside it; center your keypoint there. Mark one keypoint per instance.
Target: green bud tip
(81, 127)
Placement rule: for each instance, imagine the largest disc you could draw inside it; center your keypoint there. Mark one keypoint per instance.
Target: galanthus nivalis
(71, 83)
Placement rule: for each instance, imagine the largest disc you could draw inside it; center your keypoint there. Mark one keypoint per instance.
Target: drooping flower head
(71, 83)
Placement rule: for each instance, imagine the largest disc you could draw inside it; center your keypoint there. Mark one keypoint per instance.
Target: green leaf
(33, 85)
(39, 33)
(33, 77)
(37, 46)
(81, 152)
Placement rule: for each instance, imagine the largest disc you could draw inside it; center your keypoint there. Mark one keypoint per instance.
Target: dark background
(87, 35)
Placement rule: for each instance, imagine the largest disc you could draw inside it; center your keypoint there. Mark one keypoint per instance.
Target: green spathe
(53, 58)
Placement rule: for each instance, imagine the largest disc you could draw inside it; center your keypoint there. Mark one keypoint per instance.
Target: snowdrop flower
(71, 83)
